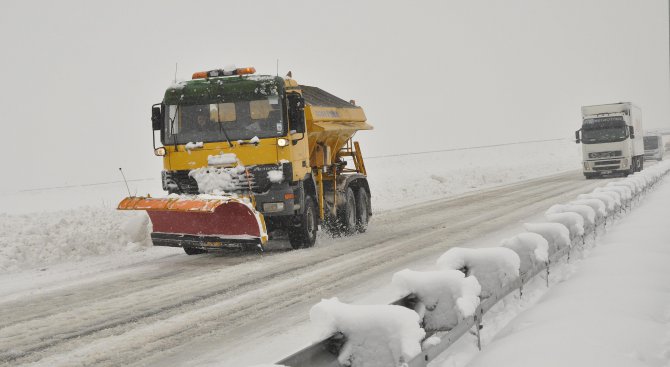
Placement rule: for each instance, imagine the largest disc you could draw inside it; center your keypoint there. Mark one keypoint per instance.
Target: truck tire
(362, 214)
(348, 213)
(194, 251)
(304, 235)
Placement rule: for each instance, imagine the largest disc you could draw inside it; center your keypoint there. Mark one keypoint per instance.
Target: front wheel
(304, 234)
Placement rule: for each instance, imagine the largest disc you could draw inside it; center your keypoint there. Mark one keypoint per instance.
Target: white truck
(611, 135)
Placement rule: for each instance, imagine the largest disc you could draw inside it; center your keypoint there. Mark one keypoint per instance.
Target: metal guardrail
(325, 352)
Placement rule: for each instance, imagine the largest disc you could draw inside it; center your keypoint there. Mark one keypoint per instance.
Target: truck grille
(613, 153)
(606, 163)
(180, 181)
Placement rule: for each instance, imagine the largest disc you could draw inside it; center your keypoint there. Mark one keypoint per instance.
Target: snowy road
(220, 310)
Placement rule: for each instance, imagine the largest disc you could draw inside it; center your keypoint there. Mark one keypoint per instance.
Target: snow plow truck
(245, 155)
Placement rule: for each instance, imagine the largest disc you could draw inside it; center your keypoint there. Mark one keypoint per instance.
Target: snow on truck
(611, 135)
(247, 154)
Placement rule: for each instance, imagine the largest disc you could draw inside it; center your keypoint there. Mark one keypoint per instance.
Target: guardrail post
(547, 264)
(478, 326)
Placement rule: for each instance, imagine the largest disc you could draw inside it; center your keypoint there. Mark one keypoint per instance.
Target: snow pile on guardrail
(447, 304)
(531, 248)
(443, 297)
(493, 267)
(377, 335)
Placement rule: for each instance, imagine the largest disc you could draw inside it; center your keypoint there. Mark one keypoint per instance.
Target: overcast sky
(79, 78)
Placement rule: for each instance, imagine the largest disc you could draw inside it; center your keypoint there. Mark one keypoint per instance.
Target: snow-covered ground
(49, 256)
(45, 227)
(610, 308)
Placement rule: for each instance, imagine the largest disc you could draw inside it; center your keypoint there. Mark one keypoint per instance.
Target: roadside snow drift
(532, 249)
(377, 335)
(613, 311)
(445, 296)
(494, 267)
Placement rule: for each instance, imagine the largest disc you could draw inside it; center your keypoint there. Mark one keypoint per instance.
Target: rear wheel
(194, 251)
(348, 213)
(304, 235)
(362, 214)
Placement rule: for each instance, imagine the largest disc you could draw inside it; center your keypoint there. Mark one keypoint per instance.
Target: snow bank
(573, 221)
(625, 191)
(494, 267)
(609, 201)
(445, 296)
(614, 194)
(532, 249)
(463, 171)
(42, 239)
(556, 234)
(608, 313)
(376, 335)
(587, 213)
(629, 184)
(598, 206)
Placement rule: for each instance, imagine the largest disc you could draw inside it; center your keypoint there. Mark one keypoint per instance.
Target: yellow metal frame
(351, 149)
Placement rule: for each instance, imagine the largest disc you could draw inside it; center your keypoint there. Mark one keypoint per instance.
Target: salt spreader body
(245, 155)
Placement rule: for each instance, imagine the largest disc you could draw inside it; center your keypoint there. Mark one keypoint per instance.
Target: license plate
(606, 172)
(213, 244)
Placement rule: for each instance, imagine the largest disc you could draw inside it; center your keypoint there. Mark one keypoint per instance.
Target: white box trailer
(611, 137)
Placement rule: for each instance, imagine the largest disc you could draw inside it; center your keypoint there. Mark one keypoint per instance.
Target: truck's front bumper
(608, 165)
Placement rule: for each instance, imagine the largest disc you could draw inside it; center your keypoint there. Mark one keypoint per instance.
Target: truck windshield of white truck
(604, 130)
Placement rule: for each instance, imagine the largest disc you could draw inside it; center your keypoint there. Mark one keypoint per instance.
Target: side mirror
(296, 112)
(577, 138)
(156, 117)
(632, 132)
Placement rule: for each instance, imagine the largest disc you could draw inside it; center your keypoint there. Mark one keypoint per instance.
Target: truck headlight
(160, 151)
(624, 163)
(273, 207)
(282, 142)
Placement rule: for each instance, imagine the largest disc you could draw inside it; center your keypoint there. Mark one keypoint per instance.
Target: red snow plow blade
(200, 223)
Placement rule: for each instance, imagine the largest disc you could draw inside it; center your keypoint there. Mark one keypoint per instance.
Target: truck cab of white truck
(611, 137)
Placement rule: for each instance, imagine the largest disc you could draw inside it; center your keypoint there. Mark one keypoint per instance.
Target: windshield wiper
(221, 129)
(174, 136)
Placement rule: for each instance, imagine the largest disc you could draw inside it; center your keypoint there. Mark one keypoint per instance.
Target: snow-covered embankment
(493, 272)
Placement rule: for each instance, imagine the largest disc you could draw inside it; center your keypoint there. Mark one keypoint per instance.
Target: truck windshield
(650, 142)
(241, 120)
(604, 135)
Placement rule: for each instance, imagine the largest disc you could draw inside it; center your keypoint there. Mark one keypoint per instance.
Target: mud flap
(201, 223)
